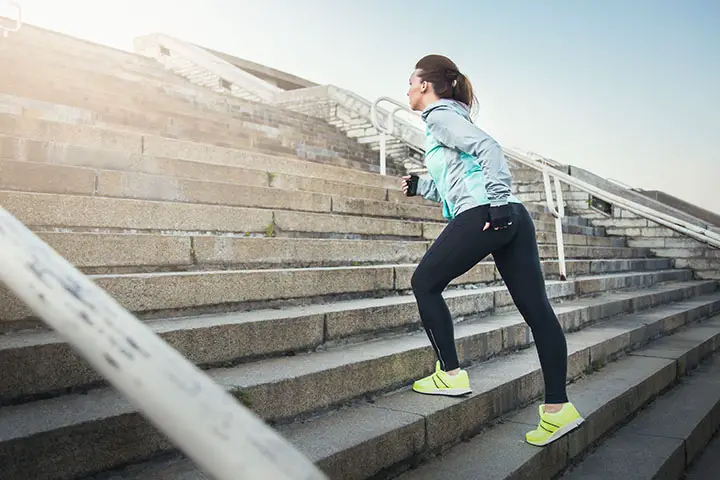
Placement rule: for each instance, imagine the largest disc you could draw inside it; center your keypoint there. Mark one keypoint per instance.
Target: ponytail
(446, 79)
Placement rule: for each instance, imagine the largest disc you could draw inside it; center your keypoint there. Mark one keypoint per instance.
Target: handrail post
(383, 153)
(558, 213)
(386, 130)
(224, 438)
(558, 229)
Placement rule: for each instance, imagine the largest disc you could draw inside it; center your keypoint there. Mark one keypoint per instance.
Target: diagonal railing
(556, 206)
(224, 438)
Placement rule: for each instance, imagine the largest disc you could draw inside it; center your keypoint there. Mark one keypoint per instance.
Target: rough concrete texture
(230, 157)
(361, 206)
(345, 224)
(116, 250)
(157, 187)
(82, 135)
(169, 291)
(36, 177)
(321, 185)
(665, 437)
(604, 399)
(45, 210)
(708, 464)
(500, 386)
(44, 363)
(291, 252)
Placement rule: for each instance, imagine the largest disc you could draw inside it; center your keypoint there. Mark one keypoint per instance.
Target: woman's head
(437, 77)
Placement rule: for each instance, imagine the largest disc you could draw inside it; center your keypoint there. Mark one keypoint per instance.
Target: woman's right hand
(408, 184)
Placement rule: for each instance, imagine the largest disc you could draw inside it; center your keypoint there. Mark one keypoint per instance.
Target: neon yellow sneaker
(441, 383)
(554, 425)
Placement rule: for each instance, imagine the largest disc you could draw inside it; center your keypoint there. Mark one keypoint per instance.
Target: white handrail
(701, 234)
(389, 128)
(681, 226)
(557, 212)
(212, 428)
(18, 20)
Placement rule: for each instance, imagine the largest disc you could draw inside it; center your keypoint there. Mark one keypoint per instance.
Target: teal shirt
(467, 167)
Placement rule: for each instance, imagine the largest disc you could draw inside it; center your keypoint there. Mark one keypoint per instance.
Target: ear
(423, 87)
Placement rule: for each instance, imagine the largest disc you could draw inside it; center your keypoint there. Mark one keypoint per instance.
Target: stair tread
(65, 410)
(406, 412)
(500, 452)
(658, 441)
(29, 338)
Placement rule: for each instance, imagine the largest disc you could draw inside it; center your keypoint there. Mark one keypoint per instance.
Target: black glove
(412, 185)
(500, 217)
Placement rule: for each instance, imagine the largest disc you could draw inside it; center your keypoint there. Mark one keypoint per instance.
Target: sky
(629, 90)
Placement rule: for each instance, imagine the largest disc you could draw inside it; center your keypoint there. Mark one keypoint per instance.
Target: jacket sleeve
(426, 187)
(455, 131)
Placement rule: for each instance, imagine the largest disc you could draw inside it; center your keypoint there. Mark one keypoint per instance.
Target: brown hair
(442, 73)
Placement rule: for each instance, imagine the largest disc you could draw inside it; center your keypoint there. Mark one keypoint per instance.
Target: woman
(470, 176)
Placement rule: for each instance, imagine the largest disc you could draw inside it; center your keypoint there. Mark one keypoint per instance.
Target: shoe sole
(449, 392)
(559, 433)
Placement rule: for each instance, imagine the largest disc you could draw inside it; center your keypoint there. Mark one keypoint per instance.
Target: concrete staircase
(286, 276)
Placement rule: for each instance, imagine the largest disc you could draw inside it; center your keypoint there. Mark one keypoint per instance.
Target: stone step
(605, 399)
(56, 160)
(150, 103)
(593, 241)
(665, 437)
(135, 143)
(708, 463)
(42, 178)
(115, 250)
(383, 436)
(48, 178)
(44, 364)
(176, 292)
(153, 109)
(41, 39)
(42, 211)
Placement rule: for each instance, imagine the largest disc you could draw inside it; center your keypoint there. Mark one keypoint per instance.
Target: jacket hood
(447, 104)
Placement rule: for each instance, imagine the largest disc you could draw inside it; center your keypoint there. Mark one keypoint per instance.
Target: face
(417, 91)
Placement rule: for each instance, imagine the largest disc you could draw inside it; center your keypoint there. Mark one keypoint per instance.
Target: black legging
(459, 247)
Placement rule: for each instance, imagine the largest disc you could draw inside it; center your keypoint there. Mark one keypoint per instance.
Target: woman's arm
(426, 188)
(455, 131)
(413, 185)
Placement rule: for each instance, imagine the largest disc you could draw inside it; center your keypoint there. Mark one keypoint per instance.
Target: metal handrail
(224, 438)
(681, 226)
(543, 165)
(18, 20)
(389, 128)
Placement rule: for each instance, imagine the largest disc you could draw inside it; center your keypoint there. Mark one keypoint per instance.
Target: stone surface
(361, 206)
(46, 178)
(44, 363)
(217, 250)
(509, 381)
(157, 187)
(44, 210)
(345, 224)
(708, 464)
(665, 437)
(171, 291)
(119, 250)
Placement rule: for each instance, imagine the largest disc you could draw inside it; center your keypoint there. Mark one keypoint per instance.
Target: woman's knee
(421, 280)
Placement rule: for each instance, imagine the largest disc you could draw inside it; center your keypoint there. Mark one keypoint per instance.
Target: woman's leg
(459, 247)
(519, 265)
